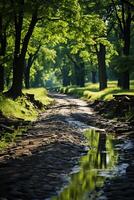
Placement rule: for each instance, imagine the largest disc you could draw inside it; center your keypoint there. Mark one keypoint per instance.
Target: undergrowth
(21, 108)
(10, 138)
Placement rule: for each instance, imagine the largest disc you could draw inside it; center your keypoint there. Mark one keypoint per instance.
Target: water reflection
(95, 168)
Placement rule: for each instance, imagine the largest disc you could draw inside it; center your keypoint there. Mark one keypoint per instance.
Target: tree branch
(118, 18)
(29, 33)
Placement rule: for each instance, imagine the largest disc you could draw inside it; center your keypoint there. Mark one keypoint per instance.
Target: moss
(21, 107)
(40, 94)
(10, 138)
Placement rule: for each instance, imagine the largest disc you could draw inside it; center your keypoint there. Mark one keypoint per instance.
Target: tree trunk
(102, 67)
(93, 74)
(65, 76)
(80, 74)
(126, 35)
(19, 57)
(126, 49)
(119, 81)
(1, 78)
(18, 69)
(3, 44)
(27, 78)
(28, 66)
(27, 72)
(125, 80)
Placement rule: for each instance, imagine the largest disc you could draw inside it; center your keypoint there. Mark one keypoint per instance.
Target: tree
(36, 10)
(124, 14)
(4, 23)
(3, 44)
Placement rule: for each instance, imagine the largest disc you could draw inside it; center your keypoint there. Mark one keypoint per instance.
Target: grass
(91, 91)
(40, 94)
(21, 107)
(10, 138)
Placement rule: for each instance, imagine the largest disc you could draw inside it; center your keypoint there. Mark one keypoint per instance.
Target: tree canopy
(65, 40)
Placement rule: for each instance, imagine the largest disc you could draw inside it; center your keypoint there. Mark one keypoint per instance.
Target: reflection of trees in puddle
(95, 166)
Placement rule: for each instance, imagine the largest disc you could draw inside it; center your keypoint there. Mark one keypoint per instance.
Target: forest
(66, 99)
(68, 42)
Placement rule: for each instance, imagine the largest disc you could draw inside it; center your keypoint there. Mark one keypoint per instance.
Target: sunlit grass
(21, 107)
(40, 94)
(10, 138)
(91, 91)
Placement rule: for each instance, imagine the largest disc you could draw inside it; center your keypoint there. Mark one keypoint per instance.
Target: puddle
(95, 167)
(81, 125)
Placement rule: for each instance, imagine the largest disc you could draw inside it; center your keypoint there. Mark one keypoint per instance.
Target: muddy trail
(55, 160)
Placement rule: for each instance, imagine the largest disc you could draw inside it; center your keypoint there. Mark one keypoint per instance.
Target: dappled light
(66, 100)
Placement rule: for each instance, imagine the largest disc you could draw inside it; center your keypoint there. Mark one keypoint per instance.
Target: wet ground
(54, 160)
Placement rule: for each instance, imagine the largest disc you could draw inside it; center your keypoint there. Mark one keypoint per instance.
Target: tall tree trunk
(80, 74)
(76, 73)
(27, 72)
(18, 68)
(79, 69)
(1, 78)
(3, 44)
(102, 67)
(119, 81)
(93, 76)
(27, 78)
(65, 75)
(126, 49)
(28, 66)
(19, 57)
(125, 30)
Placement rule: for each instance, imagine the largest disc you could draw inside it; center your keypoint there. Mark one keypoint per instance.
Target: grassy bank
(21, 107)
(91, 91)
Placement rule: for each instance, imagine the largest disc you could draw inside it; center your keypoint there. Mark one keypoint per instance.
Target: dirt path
(37, 166)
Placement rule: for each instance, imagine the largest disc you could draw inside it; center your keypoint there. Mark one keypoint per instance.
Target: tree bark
(1, 78)
(3, 44)
(79, 69)
(27, 72)
(126, 49)
(28, 66)
(102, 67)
(65, 75)
(125, 25)
(19, 56)
(93, 76)
(82, 74)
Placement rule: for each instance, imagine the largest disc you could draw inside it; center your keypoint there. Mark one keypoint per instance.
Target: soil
(38, 164)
